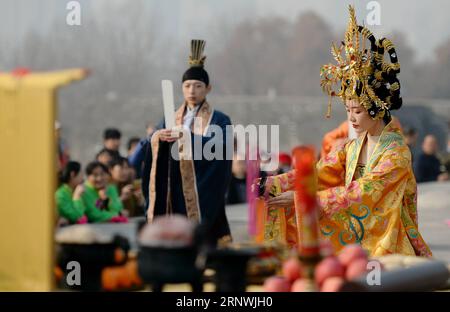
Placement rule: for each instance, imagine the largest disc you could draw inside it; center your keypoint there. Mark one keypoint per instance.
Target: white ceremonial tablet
(169, 106)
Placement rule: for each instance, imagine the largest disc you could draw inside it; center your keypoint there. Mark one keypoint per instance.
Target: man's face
(112, 144)
(358, 117)
(195, 91)
(132, 148)
(411, 139)
(430, 146)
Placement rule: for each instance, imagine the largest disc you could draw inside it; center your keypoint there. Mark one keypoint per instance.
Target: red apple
(276, 284)
(291, 269)
(356, 268)
(350, 253)
(300, 285)
(329, 267)
(332, 284)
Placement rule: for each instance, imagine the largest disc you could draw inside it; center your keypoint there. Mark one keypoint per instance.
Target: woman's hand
(283, 200)
(137, 193)
(126, 192)
(102, 194)
(255, 185)
(263, 187)
(79, 190)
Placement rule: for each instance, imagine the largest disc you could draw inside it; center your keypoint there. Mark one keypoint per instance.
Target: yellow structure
(28, 177)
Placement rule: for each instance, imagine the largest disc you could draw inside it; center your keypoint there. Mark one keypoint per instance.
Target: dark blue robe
(212, 178)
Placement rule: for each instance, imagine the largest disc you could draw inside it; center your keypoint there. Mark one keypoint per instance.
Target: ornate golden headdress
(363, 74)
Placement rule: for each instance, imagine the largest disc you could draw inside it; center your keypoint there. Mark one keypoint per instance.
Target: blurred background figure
(445, 155)
(123, 177)
(428, 166)
(284, 163)
(105, 156)
(411, 137)
(111, 142)
(118, 172)
(63, 155)
(237, 191)
(70, 207)
(101, 198)
(137, 156)
(149, 128)
(131, 145)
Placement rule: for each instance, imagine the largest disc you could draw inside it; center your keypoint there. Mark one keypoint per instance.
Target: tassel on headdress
(196, 69)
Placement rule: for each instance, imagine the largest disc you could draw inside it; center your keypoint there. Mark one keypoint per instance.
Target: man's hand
(283, 200)
(165, 135)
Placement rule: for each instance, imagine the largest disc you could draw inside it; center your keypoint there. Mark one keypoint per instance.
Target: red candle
(256, 205)
(252, 175)
(304, 161)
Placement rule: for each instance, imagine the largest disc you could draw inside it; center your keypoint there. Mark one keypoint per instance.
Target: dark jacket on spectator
(427, 168)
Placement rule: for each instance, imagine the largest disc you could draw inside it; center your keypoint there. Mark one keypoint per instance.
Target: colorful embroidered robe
(377, 210)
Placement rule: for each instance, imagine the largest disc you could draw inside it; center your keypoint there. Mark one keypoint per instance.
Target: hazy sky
(426, 23)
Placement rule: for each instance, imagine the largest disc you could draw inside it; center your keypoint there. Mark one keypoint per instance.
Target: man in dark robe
(193, 186)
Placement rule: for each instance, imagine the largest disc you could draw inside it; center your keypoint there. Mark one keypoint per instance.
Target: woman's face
(104, 158)
(98, 178)
(77, 178)
(119, 173)
(358, 117)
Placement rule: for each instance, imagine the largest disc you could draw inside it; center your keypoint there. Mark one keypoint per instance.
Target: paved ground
(434, 211)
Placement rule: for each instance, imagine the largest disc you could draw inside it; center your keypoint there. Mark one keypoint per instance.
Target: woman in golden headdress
(367, 192)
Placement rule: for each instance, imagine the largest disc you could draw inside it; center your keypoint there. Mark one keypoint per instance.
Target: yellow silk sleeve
(331, 169)
(381, 183)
